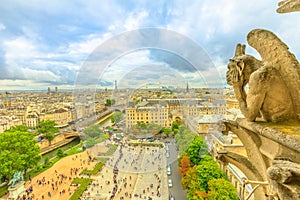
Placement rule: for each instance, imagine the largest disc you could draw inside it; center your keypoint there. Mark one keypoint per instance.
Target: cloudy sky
(95, 42)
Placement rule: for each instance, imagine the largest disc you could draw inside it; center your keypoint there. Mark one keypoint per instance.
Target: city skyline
(46, 44)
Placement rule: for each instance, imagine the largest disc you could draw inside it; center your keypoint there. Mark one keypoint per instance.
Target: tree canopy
(166, 130)
(116, 117)
(201, 175)
(208, 170)
(185, 165)
(221, 189)
(184, 138)
(90, 142)
(109, 102)
(93, 130)
(189, 181)
(18, 152)
(175, 125)
(143, 128)
(48, 128)
(197, 150)
(18, 128)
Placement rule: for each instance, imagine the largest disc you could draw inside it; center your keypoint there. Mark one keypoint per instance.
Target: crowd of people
(55, 183)
(132, 173)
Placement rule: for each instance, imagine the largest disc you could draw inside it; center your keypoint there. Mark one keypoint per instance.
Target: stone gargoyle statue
(284, 177)
(273, 82)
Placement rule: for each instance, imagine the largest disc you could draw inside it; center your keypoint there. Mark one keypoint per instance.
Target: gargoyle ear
(243, 49)
(240, 66)
(238, 50)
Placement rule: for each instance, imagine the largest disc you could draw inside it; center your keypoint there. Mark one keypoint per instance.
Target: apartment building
(146, 112)
(61, 116)
(6, 122)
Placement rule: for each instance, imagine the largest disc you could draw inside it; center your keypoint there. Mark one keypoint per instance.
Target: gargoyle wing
(275, 53)
(286, 6)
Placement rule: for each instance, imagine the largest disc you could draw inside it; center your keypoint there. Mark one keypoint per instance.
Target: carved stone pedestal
(16, 191)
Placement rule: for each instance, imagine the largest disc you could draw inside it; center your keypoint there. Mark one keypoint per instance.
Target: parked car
(169, 169)
(172, 197)
(170, 184)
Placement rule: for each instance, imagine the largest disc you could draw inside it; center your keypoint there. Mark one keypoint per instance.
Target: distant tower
(116, 87)
(187, 87)
(56, 90)
(7, 102)
(48, 91)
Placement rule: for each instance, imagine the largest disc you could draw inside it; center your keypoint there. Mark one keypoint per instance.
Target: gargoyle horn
(240, 50)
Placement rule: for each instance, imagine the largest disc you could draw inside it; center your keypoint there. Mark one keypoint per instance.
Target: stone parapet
(273, 156)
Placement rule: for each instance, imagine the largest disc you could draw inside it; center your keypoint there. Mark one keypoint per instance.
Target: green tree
(60, 153)
(93, 130)
(221, 189)
(109, 102)
(46, 161)
(185, 165)
(196, 195)
(18, 128)
(18, 152)
(48, 129)
(167, 131)
(175, 131)
(49, 137)
(90, 142)
(175, 125)
(189, 181)
(184, 138)
(102, 138)
(197, 150)
(116, 117)
(208, 170)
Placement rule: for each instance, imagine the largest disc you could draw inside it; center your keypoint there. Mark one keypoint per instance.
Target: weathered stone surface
(274, 82)
(273, 155)
(286, 6)
(284, 177)
(272, 148)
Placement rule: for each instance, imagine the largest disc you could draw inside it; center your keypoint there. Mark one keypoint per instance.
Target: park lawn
(110, 152)
(3, 190)
(83, 184)
(96, 169)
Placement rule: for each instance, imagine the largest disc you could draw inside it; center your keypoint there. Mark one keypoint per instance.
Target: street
(177, 191)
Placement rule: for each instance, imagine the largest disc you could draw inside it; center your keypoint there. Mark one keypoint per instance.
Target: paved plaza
(132, 173)
(55, 183)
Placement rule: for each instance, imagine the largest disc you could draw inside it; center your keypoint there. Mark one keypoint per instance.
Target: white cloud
(125, 64)
(131, 21)
(87, 45)
(134, 20)
(19, 49)
(40, 75)
(2, 27)
(78, 28)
